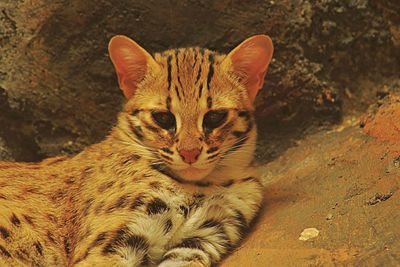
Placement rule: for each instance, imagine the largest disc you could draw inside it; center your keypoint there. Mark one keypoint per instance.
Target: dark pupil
(165, 120)
(214, 118)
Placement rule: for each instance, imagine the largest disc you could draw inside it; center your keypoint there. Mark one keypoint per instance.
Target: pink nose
(190, 156)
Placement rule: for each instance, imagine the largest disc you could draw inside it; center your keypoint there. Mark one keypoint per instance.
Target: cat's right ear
(131, 62)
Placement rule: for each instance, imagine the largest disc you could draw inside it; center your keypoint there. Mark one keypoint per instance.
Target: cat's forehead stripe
(210, 69)
(169, 71)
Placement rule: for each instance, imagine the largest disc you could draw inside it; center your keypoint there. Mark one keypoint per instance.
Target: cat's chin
(193, 174)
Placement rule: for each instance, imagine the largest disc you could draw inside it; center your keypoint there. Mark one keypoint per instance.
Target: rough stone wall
(58, 91)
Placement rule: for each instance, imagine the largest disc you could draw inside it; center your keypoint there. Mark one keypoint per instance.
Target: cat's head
(191, 108)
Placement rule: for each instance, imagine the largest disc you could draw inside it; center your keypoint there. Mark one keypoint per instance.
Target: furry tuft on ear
(131, 62)
(249, 62)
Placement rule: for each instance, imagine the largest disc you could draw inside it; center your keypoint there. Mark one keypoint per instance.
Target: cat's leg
(215, 226)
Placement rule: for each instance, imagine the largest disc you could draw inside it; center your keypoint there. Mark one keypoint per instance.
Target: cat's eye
(214, 119)
(165, 119)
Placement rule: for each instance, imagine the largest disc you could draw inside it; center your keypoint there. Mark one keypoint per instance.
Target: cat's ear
(131, 63)
(249, 62)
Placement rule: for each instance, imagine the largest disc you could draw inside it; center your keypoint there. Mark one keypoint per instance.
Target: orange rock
(384, 124)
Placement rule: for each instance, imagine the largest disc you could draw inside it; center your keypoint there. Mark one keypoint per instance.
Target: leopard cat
(171, 185)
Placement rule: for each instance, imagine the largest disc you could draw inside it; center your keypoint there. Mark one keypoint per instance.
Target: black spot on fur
(103, 187)
(137, 242)
(108, 249)
(87, 206)
(4, 252)
(191, 242)
(123, 238)
(198, 196)
(139, 201)
(39, 248)
(99, 207)
(132, 157)
(184, 210)
(14, 220)
(155, 184)
(121, 203)
(4, 232)
(210, 223)
(168, 226)
(157, 206)
(67, 246)
(70, 180)
(241, 222)
(22, 254)
(28, 219)
(99, 239)
(50, 236)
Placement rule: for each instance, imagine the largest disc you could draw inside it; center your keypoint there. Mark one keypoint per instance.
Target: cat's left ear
(132, 63)
(249, 62)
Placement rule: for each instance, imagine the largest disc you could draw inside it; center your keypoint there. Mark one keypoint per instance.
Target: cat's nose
(190, 156)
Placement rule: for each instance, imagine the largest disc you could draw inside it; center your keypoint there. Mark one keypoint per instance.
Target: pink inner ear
(130, 62)
(250, 62)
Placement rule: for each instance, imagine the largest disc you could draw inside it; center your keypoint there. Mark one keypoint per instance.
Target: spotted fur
(128, 201)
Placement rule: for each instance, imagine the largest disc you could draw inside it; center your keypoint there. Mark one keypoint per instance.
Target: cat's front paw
(185, 257)
(173, 263)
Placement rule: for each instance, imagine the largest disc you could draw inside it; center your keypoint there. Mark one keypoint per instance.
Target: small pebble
(308, 233)
(329, 216)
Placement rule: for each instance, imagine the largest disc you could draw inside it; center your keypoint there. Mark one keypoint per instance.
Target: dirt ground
(328, 116)
(345, 183)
